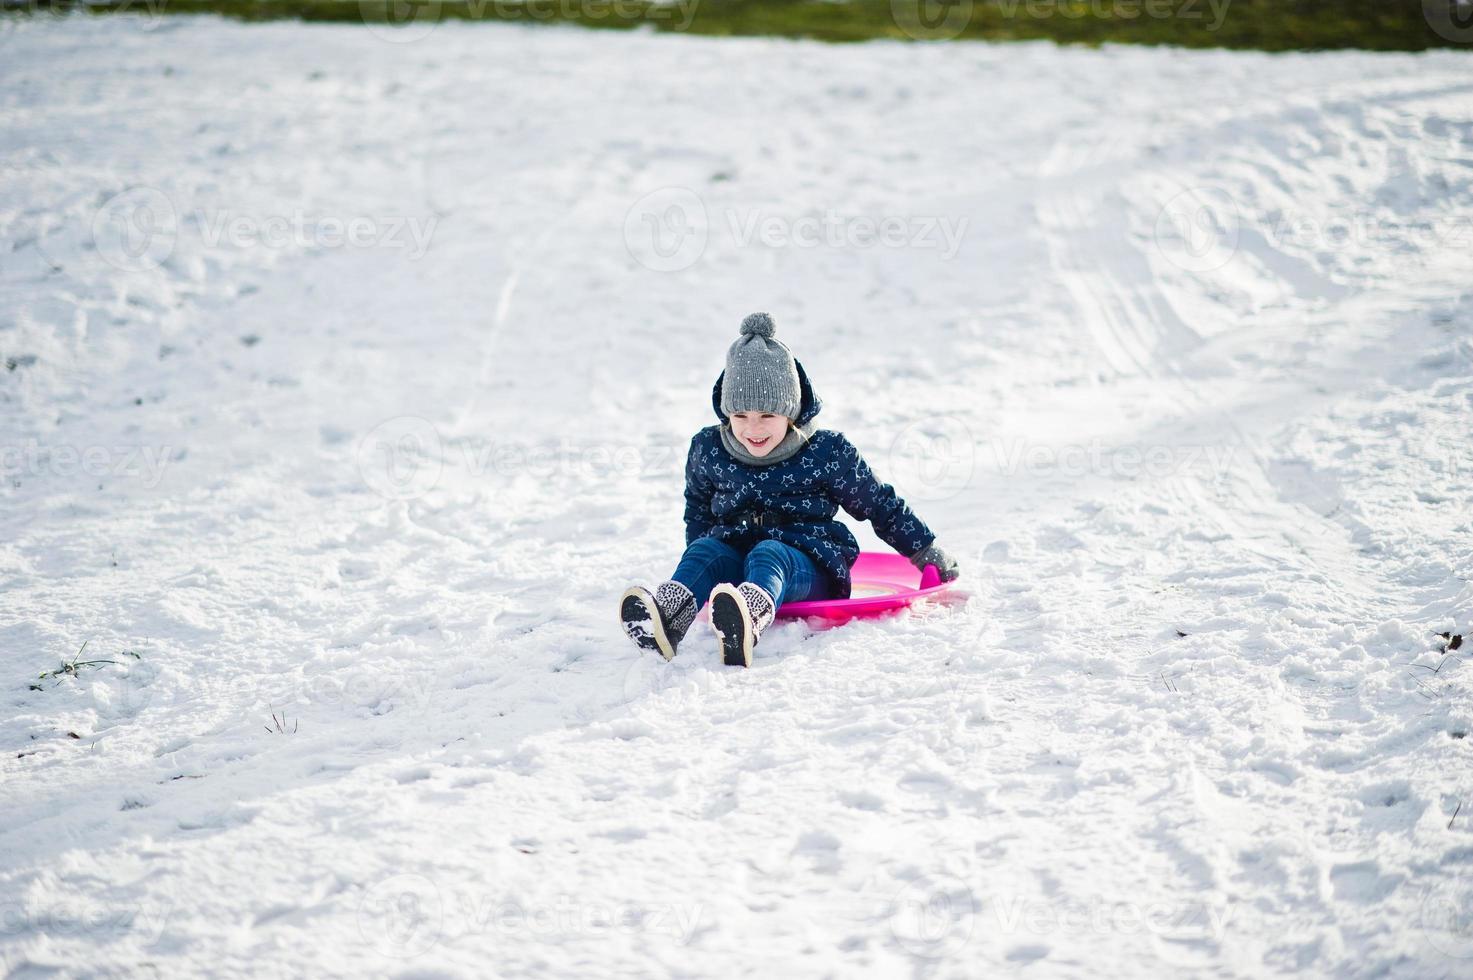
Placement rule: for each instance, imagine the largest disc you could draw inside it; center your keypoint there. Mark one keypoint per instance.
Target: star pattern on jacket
(722, 495)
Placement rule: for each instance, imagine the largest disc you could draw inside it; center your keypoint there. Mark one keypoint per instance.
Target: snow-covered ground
(349, 379)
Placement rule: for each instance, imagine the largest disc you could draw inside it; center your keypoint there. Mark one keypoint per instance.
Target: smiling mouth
(758, 442)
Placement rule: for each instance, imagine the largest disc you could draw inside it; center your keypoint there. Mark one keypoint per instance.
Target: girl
(761, 492)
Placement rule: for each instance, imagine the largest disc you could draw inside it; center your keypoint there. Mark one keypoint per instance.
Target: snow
(350, 382)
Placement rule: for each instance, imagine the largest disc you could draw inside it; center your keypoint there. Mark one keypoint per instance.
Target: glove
(933, 555)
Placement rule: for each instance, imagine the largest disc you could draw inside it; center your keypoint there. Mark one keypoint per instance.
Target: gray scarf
(791, 445)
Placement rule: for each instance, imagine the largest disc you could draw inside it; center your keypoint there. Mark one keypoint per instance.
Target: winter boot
(658, 621)
(739, 614)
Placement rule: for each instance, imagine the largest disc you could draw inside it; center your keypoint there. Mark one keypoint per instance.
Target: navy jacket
(724, 497)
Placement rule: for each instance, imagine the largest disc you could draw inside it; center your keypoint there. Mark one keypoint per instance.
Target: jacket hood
(809, 404)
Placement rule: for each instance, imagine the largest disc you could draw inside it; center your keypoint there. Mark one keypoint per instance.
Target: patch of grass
(1269, 25)
(72, 667)
(278, 725)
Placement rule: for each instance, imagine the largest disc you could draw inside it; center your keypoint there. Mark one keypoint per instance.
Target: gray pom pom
(758, 324)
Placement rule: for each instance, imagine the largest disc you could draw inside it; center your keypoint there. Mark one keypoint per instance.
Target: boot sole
(642, 624)
(733, 623)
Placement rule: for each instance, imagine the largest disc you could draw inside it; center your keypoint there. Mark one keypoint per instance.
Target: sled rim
(897, 582)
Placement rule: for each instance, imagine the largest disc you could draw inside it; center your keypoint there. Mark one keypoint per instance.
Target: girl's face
(759, 431)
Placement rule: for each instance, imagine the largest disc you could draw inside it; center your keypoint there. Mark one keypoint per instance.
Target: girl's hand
(934, 555)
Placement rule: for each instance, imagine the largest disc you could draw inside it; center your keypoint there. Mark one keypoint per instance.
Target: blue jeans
(786, 573)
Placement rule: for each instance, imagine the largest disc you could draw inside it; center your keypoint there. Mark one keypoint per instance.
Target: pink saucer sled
(881, 582)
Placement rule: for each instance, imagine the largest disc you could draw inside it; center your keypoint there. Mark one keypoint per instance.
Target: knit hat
(760, 373)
